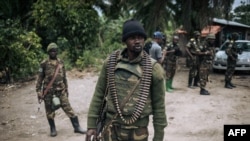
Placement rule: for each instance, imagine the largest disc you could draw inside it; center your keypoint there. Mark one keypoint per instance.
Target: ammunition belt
(144, 86)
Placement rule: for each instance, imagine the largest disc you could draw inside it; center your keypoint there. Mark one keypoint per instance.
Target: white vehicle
(243, 62)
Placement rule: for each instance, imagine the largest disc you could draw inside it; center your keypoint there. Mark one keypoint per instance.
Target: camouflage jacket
(126, 74)
(207, 59)
(46, 72)
(231, 51)
(172, 56)
(193, 46)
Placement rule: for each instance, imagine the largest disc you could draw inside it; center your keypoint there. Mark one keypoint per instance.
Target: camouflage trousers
(193, 67)
(194, 71)
(203, 74)
(65, 105)
(117, 132)
(170, 69)
(231, 64)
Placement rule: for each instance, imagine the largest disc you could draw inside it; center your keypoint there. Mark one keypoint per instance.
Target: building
(223, 29)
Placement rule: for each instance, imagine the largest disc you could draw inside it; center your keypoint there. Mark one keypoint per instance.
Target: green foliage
(242, 14)
(72, 22)
(20, 49)
(156, 14)
(64, 55)
(15, 9)
(88, 60)
(84, 38)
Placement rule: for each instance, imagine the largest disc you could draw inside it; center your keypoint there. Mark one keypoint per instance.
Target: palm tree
(157, 14)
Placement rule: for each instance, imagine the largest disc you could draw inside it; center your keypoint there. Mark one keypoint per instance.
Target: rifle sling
(52, 80)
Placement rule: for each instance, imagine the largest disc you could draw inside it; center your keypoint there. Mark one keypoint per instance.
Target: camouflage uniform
(127, 74)
(59, 87)
(232, 54)
(205, 65)
(193, 46)
(170, 63)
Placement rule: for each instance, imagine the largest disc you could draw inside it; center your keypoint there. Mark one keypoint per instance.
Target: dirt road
(191, 117)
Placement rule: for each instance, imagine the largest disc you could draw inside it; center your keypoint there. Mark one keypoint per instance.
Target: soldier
(232, 54)
(170, 62)
(193, 49)
(206, 60)
(131, 84)
(46, 90)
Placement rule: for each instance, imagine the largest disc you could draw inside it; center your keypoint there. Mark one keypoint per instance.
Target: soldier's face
(135, 43)
(53, 53)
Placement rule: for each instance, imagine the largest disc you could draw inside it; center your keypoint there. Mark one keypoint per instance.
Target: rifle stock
(101, 119)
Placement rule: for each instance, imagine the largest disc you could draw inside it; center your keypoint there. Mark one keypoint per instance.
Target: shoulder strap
(52, 80)
(129, 95)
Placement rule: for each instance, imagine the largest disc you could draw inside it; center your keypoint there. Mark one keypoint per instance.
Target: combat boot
(204, 92)
(168, 86)
(76, 125)
(196, 80)
(227, 85)
(231, 84)
(190, 82)
(53, 132)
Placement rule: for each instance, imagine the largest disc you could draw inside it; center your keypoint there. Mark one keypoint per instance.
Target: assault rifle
(102, 116)
(101, 119)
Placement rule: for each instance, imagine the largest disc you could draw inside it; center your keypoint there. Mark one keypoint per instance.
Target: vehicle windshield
(245, 46)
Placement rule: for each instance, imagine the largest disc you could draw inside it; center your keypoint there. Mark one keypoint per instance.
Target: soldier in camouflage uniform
(206, 60)
(58, 88)
(133, 75)
(232, 54)
(193, 49)
(170, 62)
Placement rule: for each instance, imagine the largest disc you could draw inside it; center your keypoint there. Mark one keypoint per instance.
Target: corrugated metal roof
(210, 29)
(232, 23)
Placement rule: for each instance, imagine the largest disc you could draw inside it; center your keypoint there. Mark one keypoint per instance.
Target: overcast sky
(236, 3)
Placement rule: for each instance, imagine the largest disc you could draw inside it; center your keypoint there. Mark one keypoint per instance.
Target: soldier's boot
(204, 92)
(231, 84)
(168, 86)
(190, 82)
(227, 85)
(76, 125)
(53, 132)
(171, 84)
(196, 80)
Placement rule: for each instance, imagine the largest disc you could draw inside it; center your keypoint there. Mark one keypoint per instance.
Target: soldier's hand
(40, 96)
(91, 135)
(164, 53)
(66, 92)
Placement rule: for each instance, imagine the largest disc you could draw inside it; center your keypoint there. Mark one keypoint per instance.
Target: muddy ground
(191, 116)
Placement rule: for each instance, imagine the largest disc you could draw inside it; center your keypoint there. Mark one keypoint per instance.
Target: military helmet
(210, 36)
(158, 34)
(52, 46)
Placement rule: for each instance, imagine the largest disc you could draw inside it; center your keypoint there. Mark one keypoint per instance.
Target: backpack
(147, 46)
